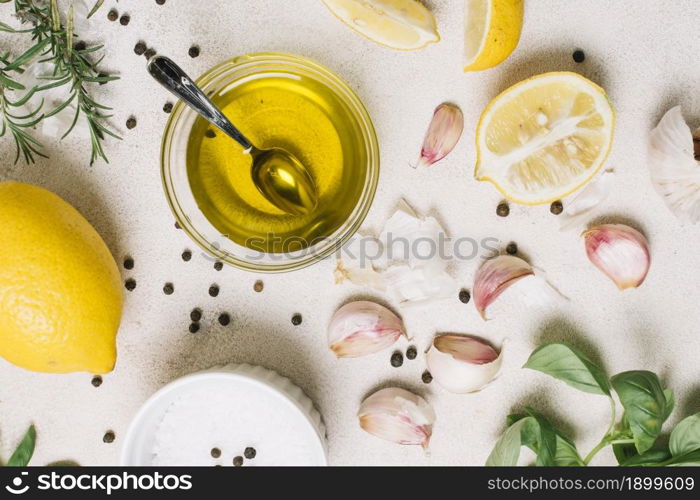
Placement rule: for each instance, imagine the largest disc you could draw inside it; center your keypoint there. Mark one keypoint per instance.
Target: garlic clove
(495, 276)
(443, 134)
(399, 416)
(620, 252)
(674, 166)
(463, 364)
(363, 327)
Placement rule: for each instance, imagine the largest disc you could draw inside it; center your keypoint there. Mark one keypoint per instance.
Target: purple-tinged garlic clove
(463, 364)
(620, 252)
(399, 416)
(363, 327)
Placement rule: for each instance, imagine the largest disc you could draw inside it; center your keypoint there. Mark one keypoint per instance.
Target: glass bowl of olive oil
(276, 100)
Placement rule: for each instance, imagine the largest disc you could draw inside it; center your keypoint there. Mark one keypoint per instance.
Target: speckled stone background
(643, 52)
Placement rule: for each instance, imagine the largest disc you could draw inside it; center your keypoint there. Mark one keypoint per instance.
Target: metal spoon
(278, 175)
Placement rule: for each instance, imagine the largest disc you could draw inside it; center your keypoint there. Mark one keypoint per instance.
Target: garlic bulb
(443, 134)
(399, 416)
(462, 364)
(675, 172)
(362, 327)
(620, 252)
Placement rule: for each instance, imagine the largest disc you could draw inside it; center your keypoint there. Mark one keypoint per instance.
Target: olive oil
(293, 112)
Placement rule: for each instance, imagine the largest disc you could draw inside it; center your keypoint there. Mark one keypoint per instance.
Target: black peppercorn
(411, 352)
(250, 453)
(556, 207)
(149, 53)
(168, 107)
(140, 48)
(214, 290)
(579, 56)
(130, 284)
(511, 248)
(426, 377)
(124, 20)
(215, 452)
(210, 133)
(396, 359)
(224, 319)
(128, 263)
(503, 209)
(112, 15)
(177, 225)
(196, 314)
(296, 319)
(194, 327)
(102, 75)
(464, 296)
(168, 289)
(80, 45)
(108, 437)
(131, 122)
(96, 381)
(218, 265)
(194, 51)
(238, 461)
(160, 2)
(186, 255)
(258, 286)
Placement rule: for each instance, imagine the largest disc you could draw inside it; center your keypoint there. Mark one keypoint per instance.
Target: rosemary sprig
(72, 66)
(26, 145)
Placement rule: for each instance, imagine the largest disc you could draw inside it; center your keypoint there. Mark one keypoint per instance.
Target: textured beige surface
(643, 52)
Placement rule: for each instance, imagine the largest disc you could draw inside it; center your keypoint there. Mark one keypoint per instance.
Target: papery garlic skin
(443, 134)
(620, 252)
(675, 172)
(584, 204)
(463, 364)
(361, 328)
(495, 276)
(399, 416)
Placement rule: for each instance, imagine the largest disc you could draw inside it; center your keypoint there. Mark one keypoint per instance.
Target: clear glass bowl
(177, 186)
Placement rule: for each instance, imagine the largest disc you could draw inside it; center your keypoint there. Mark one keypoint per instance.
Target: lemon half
(544, 137)
(491, 32)
(397, 24)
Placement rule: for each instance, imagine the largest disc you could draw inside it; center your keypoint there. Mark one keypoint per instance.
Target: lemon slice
(491, 32)
(398, 24)
(544, 137)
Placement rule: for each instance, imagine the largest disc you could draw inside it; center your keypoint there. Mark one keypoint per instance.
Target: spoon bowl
(284, 181)
(279, 176)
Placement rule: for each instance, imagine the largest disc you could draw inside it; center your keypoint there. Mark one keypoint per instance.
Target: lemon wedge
(544, 137)
(491, 32)
(397, 24)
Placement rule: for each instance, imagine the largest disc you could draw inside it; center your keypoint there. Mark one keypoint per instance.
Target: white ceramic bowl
(279, 394)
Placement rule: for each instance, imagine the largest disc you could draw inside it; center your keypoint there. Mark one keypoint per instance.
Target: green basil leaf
(25, 450)
(645, 404)
(566, 363)
(670, 402)
(692, 458)
(651, 457)
(567, 455)
(685, 438)
(507, 449)
(546, 438)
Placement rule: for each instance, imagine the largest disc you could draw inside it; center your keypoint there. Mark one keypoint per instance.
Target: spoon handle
(173, 78)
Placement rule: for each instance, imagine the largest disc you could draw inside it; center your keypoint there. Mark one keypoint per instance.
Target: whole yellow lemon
(60, 291)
